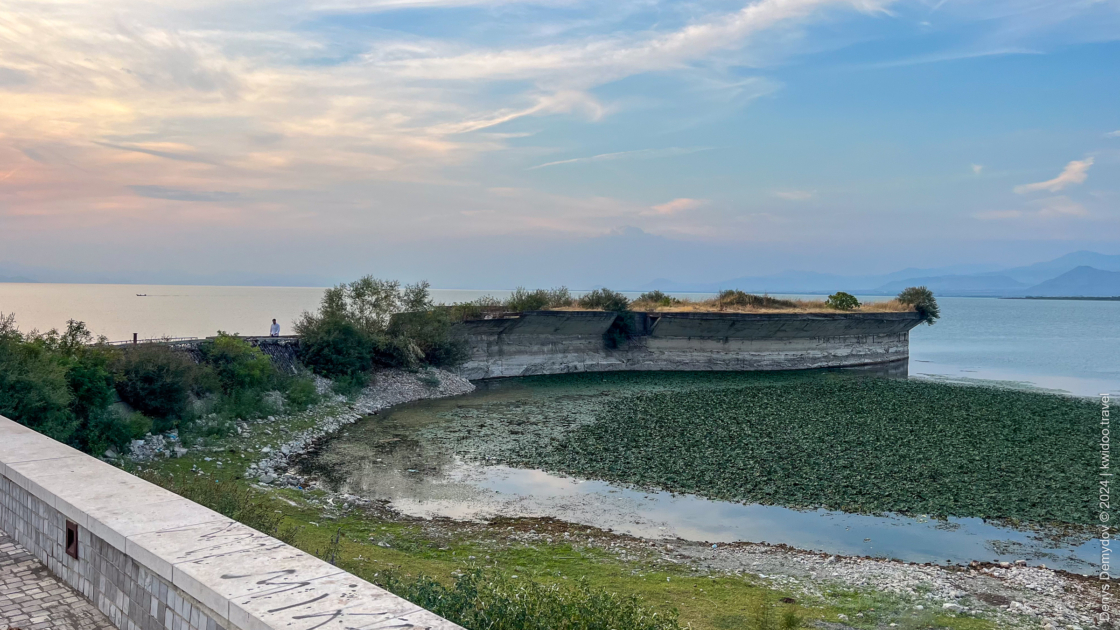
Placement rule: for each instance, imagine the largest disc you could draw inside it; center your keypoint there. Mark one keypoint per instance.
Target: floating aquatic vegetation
(853, 444)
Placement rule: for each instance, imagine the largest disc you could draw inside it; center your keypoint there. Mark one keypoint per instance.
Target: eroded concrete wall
(557, 342)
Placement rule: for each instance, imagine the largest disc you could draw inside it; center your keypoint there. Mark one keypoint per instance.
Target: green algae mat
(867, 445)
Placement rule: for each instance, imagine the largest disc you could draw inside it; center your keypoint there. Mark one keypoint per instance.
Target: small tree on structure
(923, 301)
(842, 301)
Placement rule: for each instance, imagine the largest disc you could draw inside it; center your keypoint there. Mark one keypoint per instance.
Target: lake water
(1071, 346)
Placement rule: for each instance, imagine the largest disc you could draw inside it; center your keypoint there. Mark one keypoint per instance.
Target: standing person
(275, 330)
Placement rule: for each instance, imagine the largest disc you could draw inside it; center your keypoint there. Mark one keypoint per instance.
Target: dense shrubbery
(65, 386)
(842, 301)
(735, 297)
(522, 300)
(373, 323)
(923, 301)
(657, 298)
(156, 381)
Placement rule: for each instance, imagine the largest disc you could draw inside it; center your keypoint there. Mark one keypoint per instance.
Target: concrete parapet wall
(150, 559)
(555, 342)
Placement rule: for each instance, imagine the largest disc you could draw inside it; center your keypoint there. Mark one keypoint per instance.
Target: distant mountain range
(1080, 274)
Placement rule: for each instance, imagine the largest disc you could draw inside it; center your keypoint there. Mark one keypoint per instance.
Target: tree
(923, 301)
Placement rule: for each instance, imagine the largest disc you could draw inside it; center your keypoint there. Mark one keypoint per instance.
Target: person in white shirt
(275, 330)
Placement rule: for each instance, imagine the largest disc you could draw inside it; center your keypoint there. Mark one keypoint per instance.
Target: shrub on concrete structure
(923, 301)
(842, 301)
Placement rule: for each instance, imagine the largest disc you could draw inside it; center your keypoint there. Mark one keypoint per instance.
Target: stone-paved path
(33, 599)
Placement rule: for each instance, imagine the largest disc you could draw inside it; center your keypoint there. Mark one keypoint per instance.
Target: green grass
(854, 444)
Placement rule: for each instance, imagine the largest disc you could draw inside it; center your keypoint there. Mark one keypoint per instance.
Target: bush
(735, 297)
(33, 386)
(842, 301)
(157, 381)
(605, 299)
(433, 334)
(302, 393)
(481, 600)
(522, 300)
(237, 365)
(923, 301)
(334, 347)
(657, 298)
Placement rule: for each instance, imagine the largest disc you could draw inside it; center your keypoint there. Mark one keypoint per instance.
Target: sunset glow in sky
(322, 139)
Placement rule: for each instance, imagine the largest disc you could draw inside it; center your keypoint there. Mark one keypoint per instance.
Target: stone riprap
(150, 559)
(557, 342)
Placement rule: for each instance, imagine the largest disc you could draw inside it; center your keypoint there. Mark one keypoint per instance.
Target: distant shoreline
(1115, 298)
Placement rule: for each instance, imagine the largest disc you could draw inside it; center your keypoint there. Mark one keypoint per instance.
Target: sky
(495, 143)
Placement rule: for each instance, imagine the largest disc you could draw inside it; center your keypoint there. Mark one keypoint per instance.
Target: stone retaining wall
(152, 560)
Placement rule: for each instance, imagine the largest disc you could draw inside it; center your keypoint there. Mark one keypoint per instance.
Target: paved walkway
(33, 599)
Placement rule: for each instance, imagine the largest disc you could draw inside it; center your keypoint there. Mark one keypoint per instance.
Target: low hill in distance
(1083, 281)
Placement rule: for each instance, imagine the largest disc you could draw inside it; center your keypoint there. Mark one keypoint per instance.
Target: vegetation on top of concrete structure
(623, 328)
(372, 323)
(921, 299)
(539, 299)
(654, 299)
(66, 386)
(604, 300)
(489, 600)
(842, 301)
(735, 297)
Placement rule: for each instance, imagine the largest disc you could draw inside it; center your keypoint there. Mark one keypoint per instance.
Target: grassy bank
(852, 444)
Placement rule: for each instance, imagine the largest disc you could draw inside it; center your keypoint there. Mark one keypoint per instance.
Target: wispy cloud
(1113, 134)
(794, 195)
(176, 194)
(639, 154)
(955, 56)
(1076, 172)
(977, 168)
(1049, 208)
(676, 206)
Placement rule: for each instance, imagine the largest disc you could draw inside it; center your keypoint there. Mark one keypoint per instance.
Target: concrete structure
(149, 559)
(555, 342)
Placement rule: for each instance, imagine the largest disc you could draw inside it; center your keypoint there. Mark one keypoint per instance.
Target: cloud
(175, 194)
(976, 168)
(676, 206)
(640, 154)
(1113, 134)
(1074, 173)
(1049, 208)
(1060, 206)
(794, 195)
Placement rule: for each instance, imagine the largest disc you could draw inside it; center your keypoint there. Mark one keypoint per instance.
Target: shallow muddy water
(429, 459)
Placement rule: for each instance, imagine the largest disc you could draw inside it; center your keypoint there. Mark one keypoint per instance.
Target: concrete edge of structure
(149, 558)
